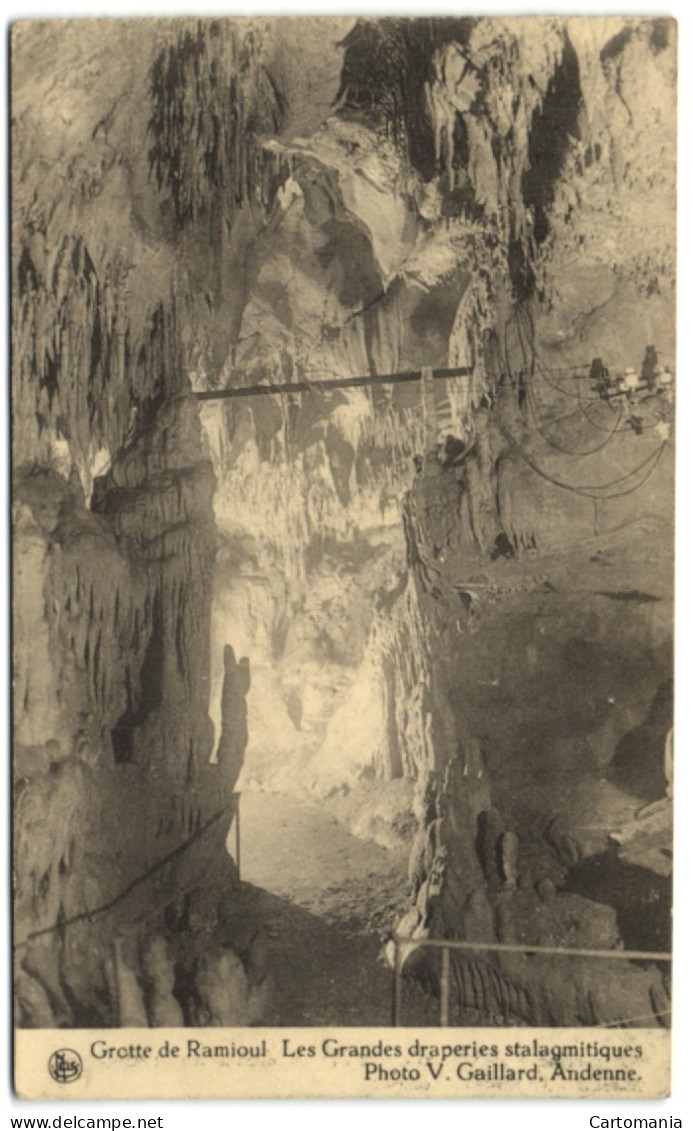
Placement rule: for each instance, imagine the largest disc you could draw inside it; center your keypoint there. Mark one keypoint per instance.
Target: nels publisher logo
(65, 1065)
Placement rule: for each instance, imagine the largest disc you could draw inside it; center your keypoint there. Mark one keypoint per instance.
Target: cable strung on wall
(587, 491)
(529, 362)
(144, 877)
(521, 312)
(534, 363)
(611, 432)
(600, 427)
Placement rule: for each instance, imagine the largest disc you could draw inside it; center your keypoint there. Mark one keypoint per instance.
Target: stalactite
(66, 360)
(429, 169)
(213, 99)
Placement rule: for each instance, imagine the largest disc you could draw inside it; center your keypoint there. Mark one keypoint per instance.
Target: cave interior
(297, 673)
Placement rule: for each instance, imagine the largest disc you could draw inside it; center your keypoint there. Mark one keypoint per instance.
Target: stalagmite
(158, 974)
(130, 1009)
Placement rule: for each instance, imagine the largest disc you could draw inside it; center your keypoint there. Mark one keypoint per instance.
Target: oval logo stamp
(65, 1066)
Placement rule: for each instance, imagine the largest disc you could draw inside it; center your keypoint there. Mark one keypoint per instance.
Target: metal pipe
(528, 948)
(323, 385)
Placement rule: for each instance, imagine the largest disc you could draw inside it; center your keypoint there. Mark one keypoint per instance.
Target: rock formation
(454, 595)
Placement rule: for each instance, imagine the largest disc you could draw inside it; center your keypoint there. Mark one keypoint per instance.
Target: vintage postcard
(343, 396)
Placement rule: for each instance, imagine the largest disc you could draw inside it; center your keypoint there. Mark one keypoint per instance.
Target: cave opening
(325, 803)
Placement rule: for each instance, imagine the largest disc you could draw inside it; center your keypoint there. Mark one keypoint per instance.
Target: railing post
(445, 987)
(447, 945)
(397, 987)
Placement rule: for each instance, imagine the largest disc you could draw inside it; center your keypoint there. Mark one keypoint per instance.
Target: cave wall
(339, 197)
(503, 228)
(552, 693)
(556, 683)
(112, 739)
(123, 800)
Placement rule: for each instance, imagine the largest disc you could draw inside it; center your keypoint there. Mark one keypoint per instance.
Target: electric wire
(102, 908)
(625, 428)
(521, 312)
(534, 410)
(544, 368)
(530, 364)
(587, 491)
(611, 430)
(581, 409)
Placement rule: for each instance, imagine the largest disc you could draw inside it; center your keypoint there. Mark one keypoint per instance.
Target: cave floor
(325, 900)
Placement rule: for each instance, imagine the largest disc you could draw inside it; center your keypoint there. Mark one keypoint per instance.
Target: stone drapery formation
(475, 575)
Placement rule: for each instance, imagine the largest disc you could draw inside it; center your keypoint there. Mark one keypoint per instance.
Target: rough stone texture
(114, 539)
(112, 739)
(444, 608)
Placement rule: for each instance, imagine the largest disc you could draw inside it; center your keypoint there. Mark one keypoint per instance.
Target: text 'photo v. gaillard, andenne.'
(343, 393)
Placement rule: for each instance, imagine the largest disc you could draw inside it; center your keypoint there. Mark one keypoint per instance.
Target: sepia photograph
(343, 392)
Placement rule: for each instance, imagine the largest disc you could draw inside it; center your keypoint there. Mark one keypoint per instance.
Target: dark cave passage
(326, 902)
